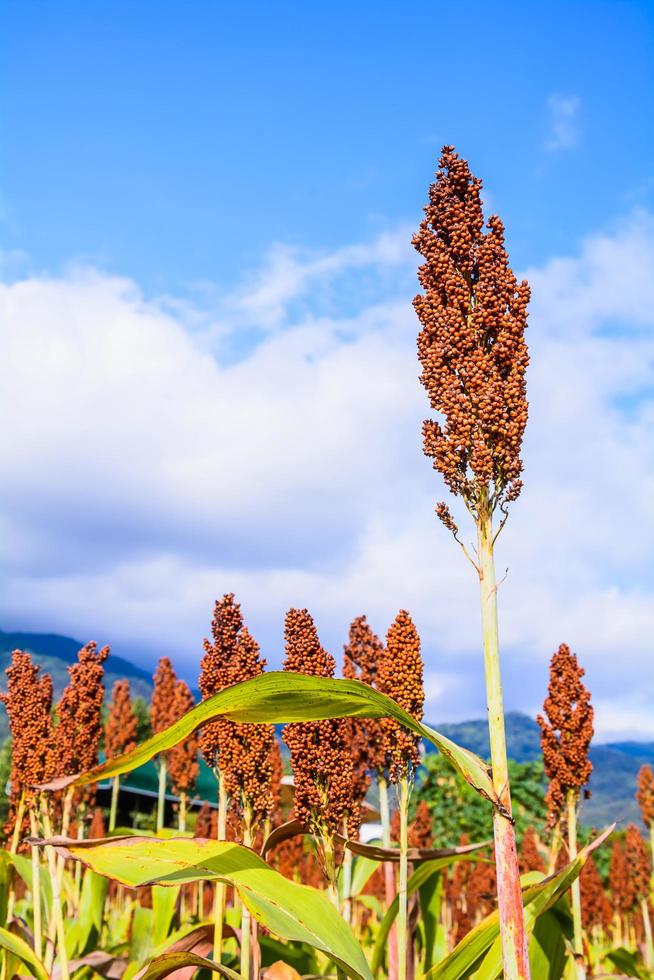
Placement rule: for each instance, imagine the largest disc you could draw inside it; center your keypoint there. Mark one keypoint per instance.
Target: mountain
(615, 765)
(54, 654)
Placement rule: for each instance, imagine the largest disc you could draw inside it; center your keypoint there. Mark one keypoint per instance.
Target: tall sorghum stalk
(241, 754)
(120, 733)
(639, 867)
(28, 703)
(400, 677)
(474, 358)
(162, 715)
(645, 797)
(320, 757)
(566, 733)
(365, 736)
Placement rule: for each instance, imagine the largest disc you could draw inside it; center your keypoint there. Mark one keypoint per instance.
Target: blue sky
(173, 142)
(209, 348)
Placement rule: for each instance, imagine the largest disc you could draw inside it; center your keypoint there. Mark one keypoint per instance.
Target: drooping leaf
(281, 696)
(483, 941)
(168, 963)
(19, 948)
(374, 852)
(287, 909)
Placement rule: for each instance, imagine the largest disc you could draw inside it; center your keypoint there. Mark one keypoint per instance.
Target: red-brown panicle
(121, 728)
(163, 708)
(226, 627)
(472, 348)
(240, 751)
(400, 677)
(183, 767)
(639, 865)
(645, 794)
(362, 658)
(622, 893)
(566, 731)
(245, 759)
(79, 713)
(320, 757)
(28, 702)
(530, 857)
(595, 905)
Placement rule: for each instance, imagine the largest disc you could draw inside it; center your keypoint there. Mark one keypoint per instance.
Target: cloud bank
(267, 441)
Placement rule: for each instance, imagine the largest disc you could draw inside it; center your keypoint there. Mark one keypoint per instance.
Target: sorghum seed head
(163, 708)
(645, 794)
(400, 677)
(182, 759)
(28, 702)
(79, 713)
(121, 728)
(566, 730)
(472, 348)
(320, 757)
(639, 865)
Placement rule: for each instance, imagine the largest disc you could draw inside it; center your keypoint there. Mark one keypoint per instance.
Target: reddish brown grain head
(28, 702)
(400, 677)
(595, 905)
(622, 893)
(219, 653)
(163, 708)
(79, 713)
(182, 759)
(121, 728)
(566, 731)
(242, 752)
(320, 756)
(472, 348)
(639, 865)
(530, 856)
(645, 794)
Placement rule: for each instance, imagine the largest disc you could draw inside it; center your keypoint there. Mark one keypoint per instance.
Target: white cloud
(563, 122)
(144, 474)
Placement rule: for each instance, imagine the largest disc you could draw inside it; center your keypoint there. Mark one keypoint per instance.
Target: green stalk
(220, 893)
(402, 892)
(15, 837)
(36, 888)
(389, 874)
(161, 796)
(578, 939)
(515, 957)
(115, 789)
(246, 924)
(57, 907)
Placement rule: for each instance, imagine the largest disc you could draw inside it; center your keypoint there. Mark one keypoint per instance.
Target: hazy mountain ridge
(613, 783)
(615, 765)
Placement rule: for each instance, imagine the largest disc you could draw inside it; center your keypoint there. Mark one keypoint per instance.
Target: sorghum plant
(241, 752)
(320, 757)
(474, 358)
(120, 735)
(639, 869)
(530, 856)
(566, 733)
(400, 676)
(645, 797)
(163, 714)
(182, 760)
(622, 894)
(595, 905)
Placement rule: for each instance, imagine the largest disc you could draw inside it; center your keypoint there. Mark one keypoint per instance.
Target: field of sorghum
(251, 882)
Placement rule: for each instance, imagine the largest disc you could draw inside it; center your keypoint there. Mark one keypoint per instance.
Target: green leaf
(288, 910)
(547, 956)
(166, 964)
(283, 696)
(625, 961)
(19, 948)
(416, 880)
(484, 939)
(164, 902)
(23, 866)
(430, 894)
(91, 909)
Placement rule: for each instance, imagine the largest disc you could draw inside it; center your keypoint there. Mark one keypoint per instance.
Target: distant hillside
(54, 654)
(615, 765)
